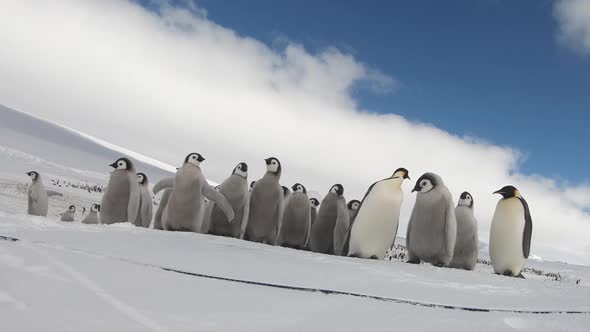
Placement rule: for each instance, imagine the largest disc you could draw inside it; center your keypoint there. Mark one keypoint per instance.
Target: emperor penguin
(353, 208)
(235, 189)
(375, 226)
(432, 229)
(184, 209)
(467, 243)
(120, 201)
(37, 195)
(144, 217)
(296, 223)
(68, 215)
(325, 237)
(160, 210)
(266, 201)
(511, 232)
(314, 213)
(92, 216)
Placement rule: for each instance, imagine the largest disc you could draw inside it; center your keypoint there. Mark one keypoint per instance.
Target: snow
(75, 277)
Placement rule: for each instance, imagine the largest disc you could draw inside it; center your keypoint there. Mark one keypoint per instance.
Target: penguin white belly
(373, 231)
(506, 237)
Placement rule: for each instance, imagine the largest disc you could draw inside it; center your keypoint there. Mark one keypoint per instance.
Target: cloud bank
(169, 81)
(573, 17)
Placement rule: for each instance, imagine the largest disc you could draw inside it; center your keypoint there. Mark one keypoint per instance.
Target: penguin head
(314, 202)
(95, 208)
(401, 173)
(273, 165)
(466, 200)
(194, 159)
(33, 175)
(509, 192)
(354, 204)
(425, 183)
(252, 185)
(337, 189)
(121, 164)
(299, 188)
(242, 170)
(286, 191)
(142, 178)
(72, 208)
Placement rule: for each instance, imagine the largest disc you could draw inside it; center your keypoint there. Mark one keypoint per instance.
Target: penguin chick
(296, 223)
(144, 217)
(68, 215)
(265, 205)
(432, 229)
(466, 245)
(324, 237)
(92, 216)
(120, 201)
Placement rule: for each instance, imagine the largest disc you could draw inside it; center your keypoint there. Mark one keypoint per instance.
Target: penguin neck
(396, 182)
(271, 174)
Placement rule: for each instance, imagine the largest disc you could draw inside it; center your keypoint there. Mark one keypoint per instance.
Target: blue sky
(491, 69)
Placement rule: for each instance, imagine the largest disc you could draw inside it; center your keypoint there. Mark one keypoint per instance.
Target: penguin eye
(423, 183)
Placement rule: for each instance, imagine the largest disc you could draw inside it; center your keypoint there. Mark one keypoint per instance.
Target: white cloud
(171, 83)
(573, 17)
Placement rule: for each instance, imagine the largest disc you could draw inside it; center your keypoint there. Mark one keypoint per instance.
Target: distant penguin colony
(438, 232)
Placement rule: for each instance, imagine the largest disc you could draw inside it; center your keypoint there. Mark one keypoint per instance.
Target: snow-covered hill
(75, 277)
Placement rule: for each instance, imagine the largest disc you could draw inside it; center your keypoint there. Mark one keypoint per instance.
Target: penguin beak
(416, 187)
(499, 192)
(406, 176)
(245, 168)
(113, 165)
(267, 161)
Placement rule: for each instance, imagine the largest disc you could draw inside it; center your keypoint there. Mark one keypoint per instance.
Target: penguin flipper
(165, 183)
(528, 229)
(246, 215)
(53, 193)
(220, 200)
(134, 199)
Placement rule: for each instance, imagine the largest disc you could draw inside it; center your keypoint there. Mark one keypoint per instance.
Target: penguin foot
(520, 276)
(507, 273)
(353, 255)
(413, 261)
(374, 257)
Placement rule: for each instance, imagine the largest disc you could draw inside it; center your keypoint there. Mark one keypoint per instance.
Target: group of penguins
(264, 211)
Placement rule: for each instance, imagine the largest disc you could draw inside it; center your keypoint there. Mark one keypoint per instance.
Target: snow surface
(76, 277)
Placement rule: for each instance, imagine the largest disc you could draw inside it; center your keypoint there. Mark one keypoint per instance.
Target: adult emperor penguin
(68, 215)
(184, 209)
(432, 229)
(325, 238)
(160, 210)
(92, 216)
(37, 195)
(144, 217)
(511, 232)
(120, 201)
(265, 205)
(296, 223)
(467, 243)
(235, 189)
(375, 226)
